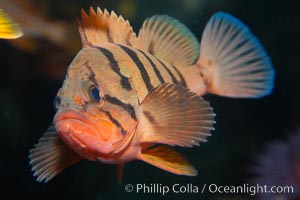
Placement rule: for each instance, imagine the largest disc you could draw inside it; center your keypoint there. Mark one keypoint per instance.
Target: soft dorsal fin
(101, 27)
(168, 39)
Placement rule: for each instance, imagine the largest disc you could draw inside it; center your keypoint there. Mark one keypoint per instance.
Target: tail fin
(232, 61)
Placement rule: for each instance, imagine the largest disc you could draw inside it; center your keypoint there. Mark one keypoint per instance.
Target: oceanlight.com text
(157, 188)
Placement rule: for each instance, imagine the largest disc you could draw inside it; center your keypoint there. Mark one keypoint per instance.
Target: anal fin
(51, 156)
(166, 158)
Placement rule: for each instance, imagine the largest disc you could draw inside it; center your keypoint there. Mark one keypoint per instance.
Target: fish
(38, 28)
(134, 97)
(8, 28)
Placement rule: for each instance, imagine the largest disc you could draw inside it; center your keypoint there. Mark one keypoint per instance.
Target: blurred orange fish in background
(35, 24)
(43, 35)
(8, 28)
(128, 97)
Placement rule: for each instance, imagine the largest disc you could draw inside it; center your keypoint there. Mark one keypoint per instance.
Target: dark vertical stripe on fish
(182, 80)
(174, 80)
(160, 78)
(92, 76)
(115, 66)
(114, 121)
(139, 65)
(127, 107)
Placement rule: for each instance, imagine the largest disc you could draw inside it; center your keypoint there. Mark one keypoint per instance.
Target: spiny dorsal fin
(101, 27)
(168, 39)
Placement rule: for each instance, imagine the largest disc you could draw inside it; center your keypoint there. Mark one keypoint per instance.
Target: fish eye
(56, 102)
(95, 94)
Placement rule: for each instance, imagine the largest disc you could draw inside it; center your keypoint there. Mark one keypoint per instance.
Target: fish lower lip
(81, 136)
(69, 131)
(78, 120)
(74, 126)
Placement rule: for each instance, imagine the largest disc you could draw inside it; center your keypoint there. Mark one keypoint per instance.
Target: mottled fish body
(128, 97)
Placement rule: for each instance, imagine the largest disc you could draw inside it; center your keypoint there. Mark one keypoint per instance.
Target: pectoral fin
(168, 159)
(171, 114)
(51, 156)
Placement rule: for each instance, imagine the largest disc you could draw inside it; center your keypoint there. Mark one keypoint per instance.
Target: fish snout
(87, 136)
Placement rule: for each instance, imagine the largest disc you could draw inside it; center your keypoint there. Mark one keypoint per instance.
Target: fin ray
(168, 159)
(8, 28)
(166, 122)
(233, 61)
(101, 27)
(51, 156)
(169, 40)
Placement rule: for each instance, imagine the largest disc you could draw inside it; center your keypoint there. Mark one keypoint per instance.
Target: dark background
(29, 83)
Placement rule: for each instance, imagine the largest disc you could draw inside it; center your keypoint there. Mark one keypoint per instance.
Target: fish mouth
(83, 134)
(77, 116)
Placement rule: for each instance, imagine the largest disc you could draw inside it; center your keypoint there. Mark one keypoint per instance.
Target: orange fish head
(93, 133)
(95, 114)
